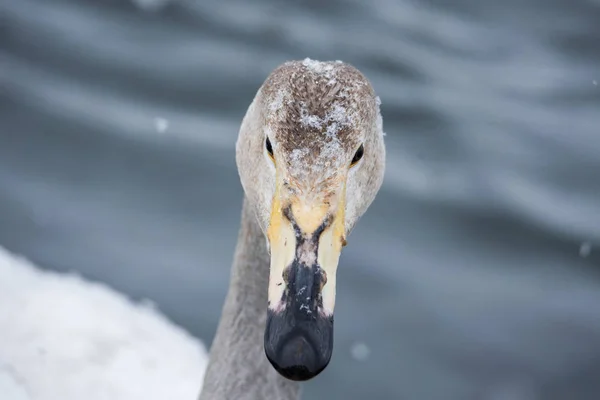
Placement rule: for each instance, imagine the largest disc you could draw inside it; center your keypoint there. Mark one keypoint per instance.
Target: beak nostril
(323, 279)
(286, 275)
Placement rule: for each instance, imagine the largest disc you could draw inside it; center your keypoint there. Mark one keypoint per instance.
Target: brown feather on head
(315, 112)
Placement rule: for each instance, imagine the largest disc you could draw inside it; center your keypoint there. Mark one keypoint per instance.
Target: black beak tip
(297, 360)
(299, 373)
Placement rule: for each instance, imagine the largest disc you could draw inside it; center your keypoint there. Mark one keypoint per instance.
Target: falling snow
(360, 351)
(161, 124)
(585, 249)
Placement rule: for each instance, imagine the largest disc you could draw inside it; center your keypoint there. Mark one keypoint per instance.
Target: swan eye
(269, 148)
(358, 155)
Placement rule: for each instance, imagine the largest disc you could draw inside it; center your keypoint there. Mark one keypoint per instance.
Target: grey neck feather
(238, 368)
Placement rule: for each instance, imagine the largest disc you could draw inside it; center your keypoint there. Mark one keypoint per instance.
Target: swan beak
(305, 243)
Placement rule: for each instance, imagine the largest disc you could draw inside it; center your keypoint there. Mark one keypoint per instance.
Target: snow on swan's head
(64, 338)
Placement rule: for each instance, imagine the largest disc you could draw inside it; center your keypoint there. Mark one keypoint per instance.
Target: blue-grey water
(475, 275)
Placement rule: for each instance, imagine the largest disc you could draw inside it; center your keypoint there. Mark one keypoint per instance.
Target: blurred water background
(476, 272)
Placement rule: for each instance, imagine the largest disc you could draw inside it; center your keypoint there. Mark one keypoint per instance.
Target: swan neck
(238, 367)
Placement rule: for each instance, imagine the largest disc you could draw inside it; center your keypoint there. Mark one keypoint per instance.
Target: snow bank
(62, 337)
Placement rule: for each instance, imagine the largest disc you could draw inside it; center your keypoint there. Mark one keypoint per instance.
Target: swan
(311, 157)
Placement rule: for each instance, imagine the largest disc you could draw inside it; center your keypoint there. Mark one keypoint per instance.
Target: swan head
(311, 159)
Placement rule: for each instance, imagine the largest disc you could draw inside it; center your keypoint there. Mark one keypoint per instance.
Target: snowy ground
(62, 337)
